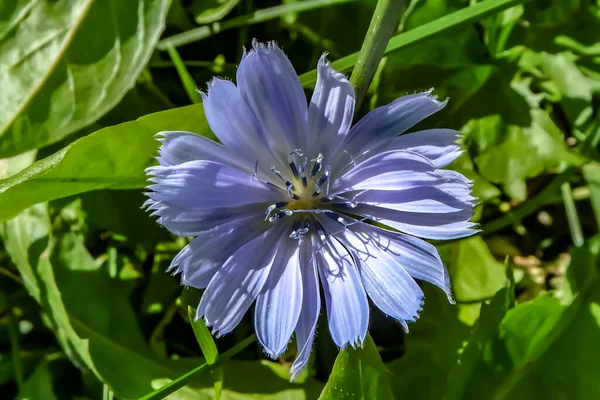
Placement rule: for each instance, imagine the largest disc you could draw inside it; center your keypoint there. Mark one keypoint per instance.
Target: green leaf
(39, 385)
(474, 272)
(204, 337)
(59, 74)
(111, 158)
(522, 354)
(461, 17)
(358, 374)
(573, 88)
(470, 361)
(101, 332)
(29, 243)
(431, 349)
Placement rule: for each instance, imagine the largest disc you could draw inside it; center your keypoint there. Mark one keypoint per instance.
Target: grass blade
(183, 380)
(209, 349)
(204, 338)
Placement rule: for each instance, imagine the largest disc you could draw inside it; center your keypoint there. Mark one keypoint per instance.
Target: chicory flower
(285, 204)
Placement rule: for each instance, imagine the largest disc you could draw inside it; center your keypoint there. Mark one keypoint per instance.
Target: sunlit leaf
(58, 74)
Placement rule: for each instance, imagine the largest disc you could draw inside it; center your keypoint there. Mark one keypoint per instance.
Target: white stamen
(318, 164)
(352, 162)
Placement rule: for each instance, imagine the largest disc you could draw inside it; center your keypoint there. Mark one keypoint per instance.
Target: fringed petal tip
(325, 69)
(215, 331)
(356, 343)
(323, 59)
(404, 323)
(273, 355)
(430, 93)
(212, 83)
(259, 47)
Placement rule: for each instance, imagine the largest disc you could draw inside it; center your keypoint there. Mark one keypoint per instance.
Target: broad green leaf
(102, 332)
(538, 349)
(574, 89)
(474, 272)
(470, 361)
(39, 384)
(523, 152)
(29, 243)
(358, 374)
(111, 158)
(431, 349)
(58, 74)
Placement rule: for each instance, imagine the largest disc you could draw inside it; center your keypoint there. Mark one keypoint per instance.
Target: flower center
(308, 190)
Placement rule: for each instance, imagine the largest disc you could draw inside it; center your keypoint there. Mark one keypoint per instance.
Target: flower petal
(311, 307)
(200, 259)
(279, 304)
(423, 199)
(387, 283)
(180, 147)
(347, 305)
(420, 259)
(426, 225)
(236, 285)
(392, 170)
(386, 122)
(236, 126)
(438, 145)
(201, 185)
(269, 84)
(184, 221)
(330, 111)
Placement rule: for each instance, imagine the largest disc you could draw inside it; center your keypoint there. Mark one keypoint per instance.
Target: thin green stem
(531, 205)
(572, 218)
(11, 275)
(183, 380)
(411, 6)
(13, 331)
(185, 76)
(246, 6)
(383, 25)
(191, 63)
(255, 17)
(459, 18)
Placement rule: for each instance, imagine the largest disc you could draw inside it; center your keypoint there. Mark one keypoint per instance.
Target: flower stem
(572, 217)
(383, 25)
(183, 380)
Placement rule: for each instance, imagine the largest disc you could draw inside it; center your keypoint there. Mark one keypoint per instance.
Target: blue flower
(287, 203)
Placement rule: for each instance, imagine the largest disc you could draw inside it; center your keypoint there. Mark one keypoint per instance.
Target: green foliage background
(86, 308)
